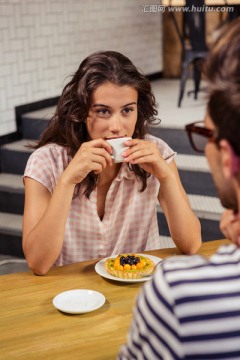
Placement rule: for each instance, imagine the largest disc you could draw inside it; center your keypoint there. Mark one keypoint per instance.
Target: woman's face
(113, 112)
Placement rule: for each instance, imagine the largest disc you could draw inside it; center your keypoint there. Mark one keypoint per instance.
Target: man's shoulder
(221, 254)
(191, 269)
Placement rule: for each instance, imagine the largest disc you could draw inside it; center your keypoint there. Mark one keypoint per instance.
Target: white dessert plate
(101, 270)
(79, 301)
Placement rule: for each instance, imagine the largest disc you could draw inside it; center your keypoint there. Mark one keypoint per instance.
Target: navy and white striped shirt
(189, 310)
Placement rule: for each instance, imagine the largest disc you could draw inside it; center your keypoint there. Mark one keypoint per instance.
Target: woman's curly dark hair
(67, 126)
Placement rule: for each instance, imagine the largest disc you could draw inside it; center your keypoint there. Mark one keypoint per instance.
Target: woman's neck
(109, 174)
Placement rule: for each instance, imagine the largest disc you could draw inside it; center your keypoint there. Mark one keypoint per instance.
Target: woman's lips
(115, 137)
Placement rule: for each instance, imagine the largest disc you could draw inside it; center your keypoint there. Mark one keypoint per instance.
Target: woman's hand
(230, 226)
(146, 154)
(93, 156)
(184, 226)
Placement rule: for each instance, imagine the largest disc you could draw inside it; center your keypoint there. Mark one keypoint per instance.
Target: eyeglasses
(199, 135)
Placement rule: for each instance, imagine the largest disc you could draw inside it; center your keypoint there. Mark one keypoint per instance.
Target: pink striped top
(129, 223)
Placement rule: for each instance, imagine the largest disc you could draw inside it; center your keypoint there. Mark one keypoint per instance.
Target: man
(191, 307)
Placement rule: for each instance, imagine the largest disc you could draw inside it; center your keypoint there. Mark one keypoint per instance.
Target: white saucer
(101, 270)
(79, 301)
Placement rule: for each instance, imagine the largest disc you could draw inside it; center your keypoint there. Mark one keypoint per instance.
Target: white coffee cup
(118, 147)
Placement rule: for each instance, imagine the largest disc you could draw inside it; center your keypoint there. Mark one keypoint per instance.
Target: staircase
(193, 170)
(13, 159)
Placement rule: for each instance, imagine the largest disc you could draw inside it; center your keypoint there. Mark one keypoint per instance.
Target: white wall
(43, 41)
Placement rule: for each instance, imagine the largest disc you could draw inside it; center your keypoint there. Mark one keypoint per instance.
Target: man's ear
(230, 161)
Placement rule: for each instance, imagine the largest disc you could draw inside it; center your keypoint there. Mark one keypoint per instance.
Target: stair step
(12, 264)
(20, 145)
(11, 182)
(11, 193)
(11, 234)
(192, 163)
(177, 139)
(205, 207)
(35, 122)
(166, 242)
(209, 228)
(195, 182)
(14, 156)
(11, 224)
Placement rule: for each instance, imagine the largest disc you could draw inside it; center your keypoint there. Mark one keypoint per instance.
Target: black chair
(236, 13)
(193, 41)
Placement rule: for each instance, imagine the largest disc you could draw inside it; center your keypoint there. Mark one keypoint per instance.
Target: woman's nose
(115, 124)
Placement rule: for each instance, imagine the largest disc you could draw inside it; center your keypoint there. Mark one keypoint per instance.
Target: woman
(79, 204)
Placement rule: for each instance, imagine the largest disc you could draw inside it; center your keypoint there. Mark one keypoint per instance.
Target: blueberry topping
(129, 259)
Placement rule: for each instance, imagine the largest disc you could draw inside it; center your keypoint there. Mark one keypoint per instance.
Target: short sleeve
(46, 165)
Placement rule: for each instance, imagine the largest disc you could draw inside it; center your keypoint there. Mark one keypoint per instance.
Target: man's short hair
(222, 73)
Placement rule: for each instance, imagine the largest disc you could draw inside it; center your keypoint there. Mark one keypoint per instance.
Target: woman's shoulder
(47, 163)
(51, 155)
(156, 140)
(50, 150)
(51, 147)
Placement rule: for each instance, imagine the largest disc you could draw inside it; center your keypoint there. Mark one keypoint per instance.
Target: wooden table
(31, 328)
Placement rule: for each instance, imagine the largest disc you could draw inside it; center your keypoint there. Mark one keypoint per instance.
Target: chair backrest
(232, 15)
(194, 24)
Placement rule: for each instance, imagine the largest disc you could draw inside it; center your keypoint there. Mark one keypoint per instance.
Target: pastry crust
(124, 272)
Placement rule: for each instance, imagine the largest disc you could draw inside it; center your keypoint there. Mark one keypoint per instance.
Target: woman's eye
(102, 112)
(127, 110)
